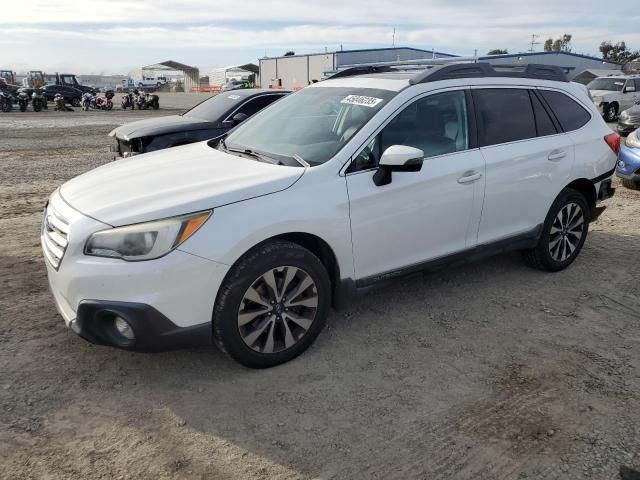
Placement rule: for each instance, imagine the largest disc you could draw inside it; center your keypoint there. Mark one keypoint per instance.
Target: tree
(290, 53)
(562, 44)
(618, 53)
(498, 51)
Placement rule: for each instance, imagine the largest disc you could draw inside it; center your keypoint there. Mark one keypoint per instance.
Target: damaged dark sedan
(208, 120)
(629, 120)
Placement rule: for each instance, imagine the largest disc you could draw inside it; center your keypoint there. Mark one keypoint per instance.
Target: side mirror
(239, 118)
(397, 158)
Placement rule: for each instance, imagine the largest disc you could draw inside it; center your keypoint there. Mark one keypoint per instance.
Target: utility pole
(534, 37)
(393, 38)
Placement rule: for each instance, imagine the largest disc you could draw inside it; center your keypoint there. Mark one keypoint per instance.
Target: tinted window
(544, 124)
(506, 115)
(637, 83)
(568, 112)
(436, 124)
(255, 105)
(216, 108)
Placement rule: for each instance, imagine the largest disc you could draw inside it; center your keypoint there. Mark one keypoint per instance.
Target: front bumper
(628, 166)
(625, 128)
(179, 287)
(152, 330)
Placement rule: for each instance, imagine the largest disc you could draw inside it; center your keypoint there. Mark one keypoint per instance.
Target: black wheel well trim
(587, 189)
(343, 290)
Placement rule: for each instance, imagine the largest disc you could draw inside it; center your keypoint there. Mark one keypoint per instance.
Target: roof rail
(437, 69)
(482, 69)
(361, 70)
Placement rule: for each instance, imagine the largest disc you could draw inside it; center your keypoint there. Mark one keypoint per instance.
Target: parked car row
(247, 240)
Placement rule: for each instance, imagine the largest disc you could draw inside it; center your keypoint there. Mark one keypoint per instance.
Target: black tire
(610, 113)
(632, 184)
(37, 106)
(244, 274)
(75, 102)
(6, 107)
(23, 107)
(540, 257)
(156, 105)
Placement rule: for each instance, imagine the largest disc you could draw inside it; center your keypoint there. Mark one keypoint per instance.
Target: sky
(118, 36)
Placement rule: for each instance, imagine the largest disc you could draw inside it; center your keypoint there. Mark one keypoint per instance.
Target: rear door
(528, 161)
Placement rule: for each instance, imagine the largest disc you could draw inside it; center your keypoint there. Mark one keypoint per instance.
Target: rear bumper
(152, 330)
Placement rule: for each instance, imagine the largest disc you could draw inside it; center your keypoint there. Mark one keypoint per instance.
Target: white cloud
(150, 27)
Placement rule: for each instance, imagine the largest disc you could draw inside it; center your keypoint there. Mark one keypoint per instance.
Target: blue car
(628, 167)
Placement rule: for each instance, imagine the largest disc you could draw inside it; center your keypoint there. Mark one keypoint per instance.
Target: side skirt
(517, 242)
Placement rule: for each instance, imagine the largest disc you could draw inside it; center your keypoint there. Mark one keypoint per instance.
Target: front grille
(55, 233)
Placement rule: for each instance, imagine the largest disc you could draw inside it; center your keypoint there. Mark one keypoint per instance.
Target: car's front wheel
(610, 113)
(563, 234)
(272, 305)
(75, 102)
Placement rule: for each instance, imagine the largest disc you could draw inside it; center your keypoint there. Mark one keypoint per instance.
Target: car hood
(602, 93)
(160, 126)
(173, 182)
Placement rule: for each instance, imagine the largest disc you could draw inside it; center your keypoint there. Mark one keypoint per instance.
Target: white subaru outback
(370, 175)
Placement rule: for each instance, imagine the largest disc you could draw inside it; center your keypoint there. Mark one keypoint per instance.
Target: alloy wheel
(277, 309)
(566, 232)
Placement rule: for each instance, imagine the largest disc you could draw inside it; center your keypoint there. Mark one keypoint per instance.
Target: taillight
(613, 140)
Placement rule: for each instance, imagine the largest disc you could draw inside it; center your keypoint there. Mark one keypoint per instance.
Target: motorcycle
(6, 100)
(103, 103)
(23, 99)
(61, 105)
(38, 100)
(152, 101)
(86, 101)
(139, 100)
(128, 101)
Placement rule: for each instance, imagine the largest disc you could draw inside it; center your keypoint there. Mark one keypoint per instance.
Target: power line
(532, 48)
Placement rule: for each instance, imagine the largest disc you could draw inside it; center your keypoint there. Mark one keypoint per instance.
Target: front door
(419, 216)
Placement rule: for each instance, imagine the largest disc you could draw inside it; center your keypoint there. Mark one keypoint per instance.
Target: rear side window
(544, 124)
(505, 114)
(569, 113)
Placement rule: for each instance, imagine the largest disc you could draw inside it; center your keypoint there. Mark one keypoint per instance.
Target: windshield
(214, 108)
(312, 124)
(611, 84)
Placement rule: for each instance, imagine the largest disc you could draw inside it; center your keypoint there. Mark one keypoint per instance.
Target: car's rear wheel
(632, 184)
(563, 233)
(75, 102)
(272, 305)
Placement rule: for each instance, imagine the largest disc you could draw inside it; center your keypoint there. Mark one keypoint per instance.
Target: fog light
(621, 164)
(124, 328)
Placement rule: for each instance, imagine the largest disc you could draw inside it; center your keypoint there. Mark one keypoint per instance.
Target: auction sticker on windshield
(361, 100)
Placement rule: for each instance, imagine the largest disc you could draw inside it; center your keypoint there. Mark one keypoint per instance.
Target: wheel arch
(342, 290)
(586, 188)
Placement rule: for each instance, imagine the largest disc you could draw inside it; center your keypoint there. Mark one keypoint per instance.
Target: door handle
(557, 155)
(470, 177)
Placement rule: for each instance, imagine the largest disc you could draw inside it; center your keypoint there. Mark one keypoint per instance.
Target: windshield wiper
(301, 161)
(250, 153)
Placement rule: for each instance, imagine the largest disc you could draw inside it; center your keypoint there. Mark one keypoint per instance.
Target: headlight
(145, 241)
(632, 140)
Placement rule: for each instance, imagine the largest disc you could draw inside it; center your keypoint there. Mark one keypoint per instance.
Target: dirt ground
(489, 371)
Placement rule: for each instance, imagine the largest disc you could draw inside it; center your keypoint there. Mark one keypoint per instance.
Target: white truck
(613, 95)
(151, 82)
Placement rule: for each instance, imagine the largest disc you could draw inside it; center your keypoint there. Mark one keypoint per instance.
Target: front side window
(313, 124)
(437, 125)
(254, 105)
(569, 113)
(505, 115)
